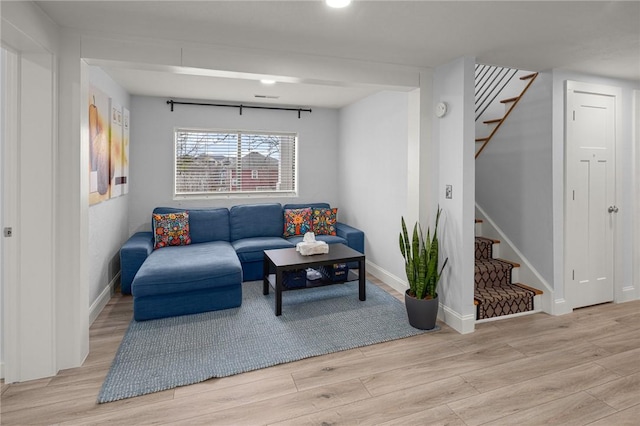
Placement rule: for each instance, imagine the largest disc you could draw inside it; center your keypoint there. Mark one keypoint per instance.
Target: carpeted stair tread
(501, 292)
(484, 248)
(503, 302)
(492, 272)
(495, 295)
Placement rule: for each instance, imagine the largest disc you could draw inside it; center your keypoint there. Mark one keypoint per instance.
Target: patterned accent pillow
(171, 229)
(323, 221)
(297, 221)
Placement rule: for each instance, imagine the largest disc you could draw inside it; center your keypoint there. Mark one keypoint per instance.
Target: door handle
(612, 209)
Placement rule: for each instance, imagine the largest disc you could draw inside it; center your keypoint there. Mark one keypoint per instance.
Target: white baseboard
(98, 305)
(561, 307)
(387, 277)
(628, 294)
(463, 324)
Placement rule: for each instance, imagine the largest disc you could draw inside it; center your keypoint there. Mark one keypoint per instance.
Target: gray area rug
(163, 354)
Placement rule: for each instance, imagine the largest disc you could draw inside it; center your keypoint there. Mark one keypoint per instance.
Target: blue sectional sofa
(226, 249)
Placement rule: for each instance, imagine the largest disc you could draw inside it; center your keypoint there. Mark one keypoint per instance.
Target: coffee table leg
(362, 280)
(278, 291)
(265, 274)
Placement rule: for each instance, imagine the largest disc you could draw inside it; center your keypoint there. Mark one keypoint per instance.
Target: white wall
(72, 210)
(514, 177)
(453, 138)
(152, 153)
(625, 288)
(374, 180)
(108, 221)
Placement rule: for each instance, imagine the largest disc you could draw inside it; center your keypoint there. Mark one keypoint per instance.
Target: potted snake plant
(423, 274)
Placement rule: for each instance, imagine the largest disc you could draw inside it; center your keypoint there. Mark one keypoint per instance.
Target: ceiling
(599, 38)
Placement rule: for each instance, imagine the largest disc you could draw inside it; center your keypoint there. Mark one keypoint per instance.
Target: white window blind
(227, 162)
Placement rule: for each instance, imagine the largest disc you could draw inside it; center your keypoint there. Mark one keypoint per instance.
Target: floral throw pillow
(171, 229)
(323, 221)
(297, 221)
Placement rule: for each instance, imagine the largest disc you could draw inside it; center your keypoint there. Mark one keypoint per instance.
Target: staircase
(496, 293)
(491, 81)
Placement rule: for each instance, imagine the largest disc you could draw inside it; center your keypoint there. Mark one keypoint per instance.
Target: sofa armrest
(354, 237)
(132, 255)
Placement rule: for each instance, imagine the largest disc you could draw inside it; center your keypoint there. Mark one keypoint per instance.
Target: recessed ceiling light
(338, 3)
(267, 81)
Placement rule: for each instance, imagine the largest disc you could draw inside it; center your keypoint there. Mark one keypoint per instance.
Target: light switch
(448, 193)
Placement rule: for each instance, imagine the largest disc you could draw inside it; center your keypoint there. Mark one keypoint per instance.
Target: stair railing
(490, 82)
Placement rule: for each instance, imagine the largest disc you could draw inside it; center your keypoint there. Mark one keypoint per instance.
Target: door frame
(616, 93)
(635, 137)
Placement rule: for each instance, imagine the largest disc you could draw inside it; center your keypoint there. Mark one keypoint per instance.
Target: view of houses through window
(214, 161)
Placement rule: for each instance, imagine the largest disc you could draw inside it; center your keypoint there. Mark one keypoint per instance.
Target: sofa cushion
(187, 268)
(252, 249)
(187, 302)
(323, 221)
(205, 225)
(256, 220)
(297, 221)
(329, 239)
(171, 229)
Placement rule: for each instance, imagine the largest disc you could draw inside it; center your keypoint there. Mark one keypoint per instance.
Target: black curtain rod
(300, 110)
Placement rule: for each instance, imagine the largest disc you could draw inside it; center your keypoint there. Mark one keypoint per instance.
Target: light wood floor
(576, 369)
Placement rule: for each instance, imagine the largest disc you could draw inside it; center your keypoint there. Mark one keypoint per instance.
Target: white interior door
(590, 194)
(28, 313)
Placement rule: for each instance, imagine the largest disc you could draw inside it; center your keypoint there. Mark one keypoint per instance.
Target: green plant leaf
(421, 259)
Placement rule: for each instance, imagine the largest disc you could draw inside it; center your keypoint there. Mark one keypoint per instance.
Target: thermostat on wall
(441, 109)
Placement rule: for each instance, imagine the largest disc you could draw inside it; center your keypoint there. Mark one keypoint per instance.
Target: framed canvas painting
(116, 150)
(99, 148)
(125, 151)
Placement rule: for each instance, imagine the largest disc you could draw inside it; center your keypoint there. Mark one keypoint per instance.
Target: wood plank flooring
(577, 369)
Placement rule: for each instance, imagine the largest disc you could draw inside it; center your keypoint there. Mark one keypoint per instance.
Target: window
(234, 162)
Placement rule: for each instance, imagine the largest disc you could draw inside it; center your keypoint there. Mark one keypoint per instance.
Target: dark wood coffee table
(289, 259)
